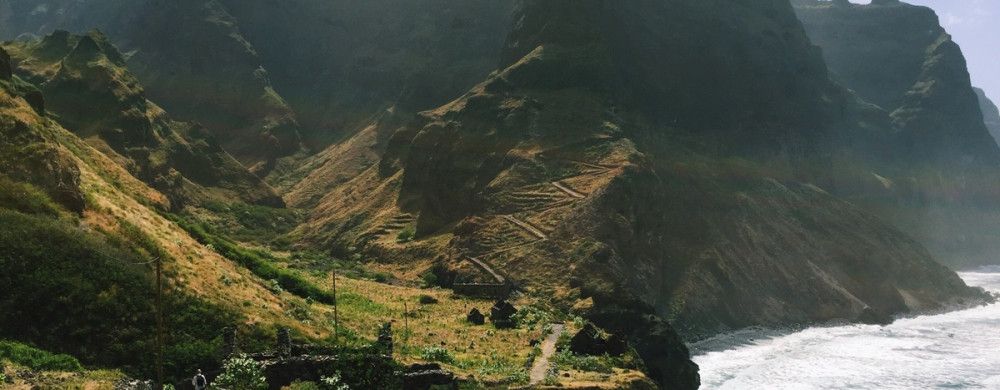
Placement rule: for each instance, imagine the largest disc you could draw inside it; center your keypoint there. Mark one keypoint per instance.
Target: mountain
(89, 90)
(339, 62)
(666, 170)
(991, 115)
(897, 56)
(207, 72)
(79, 231)
(582, 170)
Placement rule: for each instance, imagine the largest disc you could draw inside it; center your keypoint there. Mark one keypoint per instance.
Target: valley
(524, 194)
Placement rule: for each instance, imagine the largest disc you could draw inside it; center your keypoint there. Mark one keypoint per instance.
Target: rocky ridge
(941, 188)
(991, 115)
(579, 170)
(88, 89)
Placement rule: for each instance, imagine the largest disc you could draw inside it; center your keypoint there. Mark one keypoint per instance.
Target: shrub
(427, 299)
(241, 373)
(429, 278)
(259, 262)
(566, 359)
(436, 354)
(406, 235)
(37, 359)
(332, 382)
(530, 316)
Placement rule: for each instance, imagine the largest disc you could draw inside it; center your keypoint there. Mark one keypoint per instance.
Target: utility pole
(159, 323)
(336, 316)
(406, 325)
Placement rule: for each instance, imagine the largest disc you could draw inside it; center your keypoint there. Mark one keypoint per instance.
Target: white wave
(957, 350)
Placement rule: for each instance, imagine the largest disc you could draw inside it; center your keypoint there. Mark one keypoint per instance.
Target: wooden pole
(336, 314)
(406, 325)
(159, 324)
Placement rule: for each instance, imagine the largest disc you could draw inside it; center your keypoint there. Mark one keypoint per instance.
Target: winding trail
(526, 226)
(489, 270)
(541, 366)
(568, 191)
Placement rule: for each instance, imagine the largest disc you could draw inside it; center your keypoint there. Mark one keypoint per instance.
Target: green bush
(241, 373)
(565, 359)
(259, 262)
(37, 359)
(332, 382)
(254, 223)
(430, 279)
(427, 300)
(406, 235)
(436, 354)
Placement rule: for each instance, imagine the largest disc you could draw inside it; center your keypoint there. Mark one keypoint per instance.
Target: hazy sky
(975, 26)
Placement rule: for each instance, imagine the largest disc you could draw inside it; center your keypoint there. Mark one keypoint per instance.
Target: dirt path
(526, 226)
(568, 191)
(489, 270)
(541, 366)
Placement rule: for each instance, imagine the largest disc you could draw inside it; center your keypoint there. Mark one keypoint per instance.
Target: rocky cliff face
(991, 115)
(339, 62)
(207, 71)
(898, 57)
(88, 89)
(583, 170)
(942, 187)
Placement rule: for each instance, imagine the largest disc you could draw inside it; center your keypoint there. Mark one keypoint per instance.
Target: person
(199, 381)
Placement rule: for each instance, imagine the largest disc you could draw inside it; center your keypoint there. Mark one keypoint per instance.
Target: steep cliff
(991, 115)
(583, 171)
(88, 89)
(942, 189)
(339, 62)
(898, 57)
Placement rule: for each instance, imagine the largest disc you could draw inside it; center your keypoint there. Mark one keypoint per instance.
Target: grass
(26, 198)
(89, 297)
(253, 223)
(37, 359)
(436, 354)
(58, 380)
(260, 263)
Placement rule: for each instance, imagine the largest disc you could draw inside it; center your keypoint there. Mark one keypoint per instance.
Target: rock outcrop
(941, 187)
(991, 115)
(898, 57)
(91, 92)
(206, 72)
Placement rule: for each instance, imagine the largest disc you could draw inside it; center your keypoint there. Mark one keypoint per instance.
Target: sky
(975, 26)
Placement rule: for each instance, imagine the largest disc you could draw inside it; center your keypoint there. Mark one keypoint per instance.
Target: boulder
(475, 317)
(873, 317)
(591, 341)
(502, 313)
